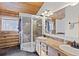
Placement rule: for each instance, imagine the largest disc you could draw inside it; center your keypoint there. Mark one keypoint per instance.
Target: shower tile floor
(18, 52)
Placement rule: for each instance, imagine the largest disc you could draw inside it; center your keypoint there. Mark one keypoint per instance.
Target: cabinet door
(52, 52)
(38, 47)
(43, 53)
(43, 50)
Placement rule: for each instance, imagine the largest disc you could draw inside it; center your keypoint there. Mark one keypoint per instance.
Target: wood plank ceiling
(20, 7)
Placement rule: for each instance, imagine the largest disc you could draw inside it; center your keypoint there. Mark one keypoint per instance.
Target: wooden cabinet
(8, 39)
(44, 50)
(41, 48)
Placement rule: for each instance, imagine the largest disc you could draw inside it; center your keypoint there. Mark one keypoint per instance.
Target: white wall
(72, 15)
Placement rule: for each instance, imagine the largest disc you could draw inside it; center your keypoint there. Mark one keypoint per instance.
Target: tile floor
(18, 52)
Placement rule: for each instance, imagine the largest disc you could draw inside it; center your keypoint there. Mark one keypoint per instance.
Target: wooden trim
(9, 39)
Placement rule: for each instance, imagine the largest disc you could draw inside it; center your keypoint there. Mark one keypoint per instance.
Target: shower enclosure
(28, 32)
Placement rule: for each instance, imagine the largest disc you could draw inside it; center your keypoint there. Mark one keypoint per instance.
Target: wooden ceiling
(20, 7)
(60, 14)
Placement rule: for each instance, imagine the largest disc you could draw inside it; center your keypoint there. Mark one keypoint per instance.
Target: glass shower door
(29, 30)
(26, 27)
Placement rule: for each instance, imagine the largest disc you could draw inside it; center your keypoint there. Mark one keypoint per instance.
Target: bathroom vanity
(50, 47)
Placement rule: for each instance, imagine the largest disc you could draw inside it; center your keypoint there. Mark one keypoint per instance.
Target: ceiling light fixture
(47, 13)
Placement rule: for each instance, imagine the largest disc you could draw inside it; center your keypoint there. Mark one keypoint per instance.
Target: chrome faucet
(75, 45)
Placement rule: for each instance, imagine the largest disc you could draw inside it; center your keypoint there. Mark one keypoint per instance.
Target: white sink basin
(69, 49)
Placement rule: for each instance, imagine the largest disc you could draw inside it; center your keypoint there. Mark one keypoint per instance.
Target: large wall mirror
(56, 26)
